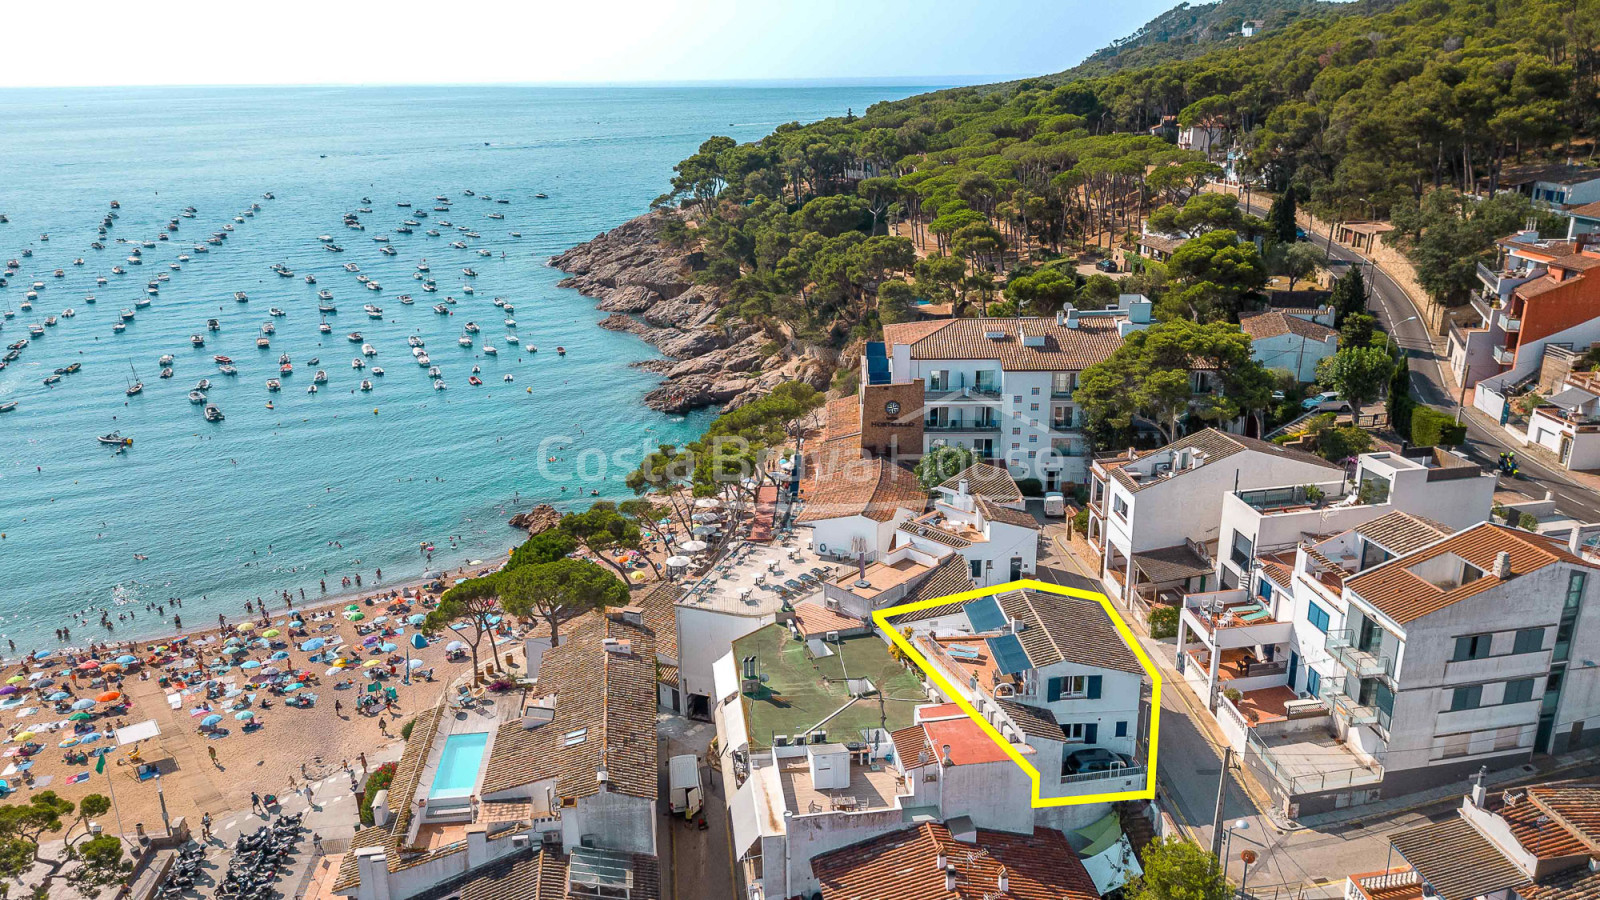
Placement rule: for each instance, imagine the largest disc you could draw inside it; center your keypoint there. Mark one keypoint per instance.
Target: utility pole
(1217, 824)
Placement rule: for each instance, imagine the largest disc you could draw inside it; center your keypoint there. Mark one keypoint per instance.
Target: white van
(1055, 505)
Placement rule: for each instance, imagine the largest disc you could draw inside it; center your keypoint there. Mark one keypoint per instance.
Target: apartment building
(1153, 516)
(1001, 387)
(1537, 293)
(1399, 654)
(1538, 842)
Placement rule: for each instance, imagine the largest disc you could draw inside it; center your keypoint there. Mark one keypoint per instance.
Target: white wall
(614, 821)
(703, 636)
(1294, 353)
(838, 534)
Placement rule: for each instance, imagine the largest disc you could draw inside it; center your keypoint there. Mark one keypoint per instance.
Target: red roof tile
(903, 865)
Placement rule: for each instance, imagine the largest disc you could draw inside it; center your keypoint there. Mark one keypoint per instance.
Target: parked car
(1055, 505)
(1095, 759)
(1106, 265)
(1300, 234)
(1324, 402)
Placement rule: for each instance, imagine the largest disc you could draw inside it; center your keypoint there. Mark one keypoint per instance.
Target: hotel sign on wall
(891, 418)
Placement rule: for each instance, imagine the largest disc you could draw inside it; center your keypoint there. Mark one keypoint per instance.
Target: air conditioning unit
(818, 737)
(780, 740)
(552, 838)
(832, 637)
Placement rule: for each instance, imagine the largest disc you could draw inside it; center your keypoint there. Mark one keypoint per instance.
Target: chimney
(941, 861)
(1575, 541)
(1502, 565)
(944, 758)
(962, 487)
(1480, 793)
(1061, 318)
(631, 615)
(950, 878)
(1003, 883)
(477, 845)
(1070, 316)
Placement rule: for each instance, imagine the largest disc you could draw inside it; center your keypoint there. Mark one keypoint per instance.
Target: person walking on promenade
(205, 826)
(255, 802)
(213, 752)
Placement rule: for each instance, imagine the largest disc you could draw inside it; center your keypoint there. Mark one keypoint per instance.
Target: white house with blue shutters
(1052, 674)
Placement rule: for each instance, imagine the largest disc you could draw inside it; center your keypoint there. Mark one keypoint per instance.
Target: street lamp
(1237, 825)
(162, 797)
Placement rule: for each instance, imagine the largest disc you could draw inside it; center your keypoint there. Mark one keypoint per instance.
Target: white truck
(683, 783)
(1055, 505)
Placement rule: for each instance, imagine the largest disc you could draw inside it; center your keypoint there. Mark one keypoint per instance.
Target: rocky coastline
(648, 290)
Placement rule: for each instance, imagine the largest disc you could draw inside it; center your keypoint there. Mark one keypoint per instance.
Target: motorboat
(464, 341)
(320, 377)
(283, 358)
(51, 379)
(241, 296)
(415, 341)
(203, 384)
(469, 273)
(435, 372)
(351, 267)
(286, 369)
(358, 363)
(276, 312)
(439, 385)
(311, 389)
(221, 360)
(196, 397)
(508, 378)
(374, 286)
(474, 380)
(8, 406)
(509, 309)
(353, 337)
(114, 439)
(165, 360)
(324, 294)
(326, 307)
(324, 327)
(441, 309)
(489, 350)
(470, 328)
(118, 327)
(561, 351)
(213, 325)
(405, 300)
(368, 350)
(512, 339)
(213, 413)
(89, 298)
(510, 322)
(268, 328)
(69, 313)
(374, 312)
(466, 289)
(263, 343)
(227, 370)
(165, 373)
(311, 279)
(366, 385)
(274, 384)
(424, 361)
(377, 370)
(36, 330)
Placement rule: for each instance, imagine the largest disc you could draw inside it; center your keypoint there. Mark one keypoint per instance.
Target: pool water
(459, 762)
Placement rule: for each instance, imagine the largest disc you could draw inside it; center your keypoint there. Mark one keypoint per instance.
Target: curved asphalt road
(1485, 442)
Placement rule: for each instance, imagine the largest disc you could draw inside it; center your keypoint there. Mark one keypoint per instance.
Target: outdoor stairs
(1136, 824)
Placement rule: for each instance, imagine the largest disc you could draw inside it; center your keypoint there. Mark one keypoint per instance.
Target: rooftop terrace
(755, 580)
(801, 692)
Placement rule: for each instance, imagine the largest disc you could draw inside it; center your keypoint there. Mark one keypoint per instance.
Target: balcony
(1509, 323)
(964, 425)
(972, 393)
(1349, 707)
(1502, 283)
(1505, 355)
(1119, 772)
(1341, 645)
(1306, 762)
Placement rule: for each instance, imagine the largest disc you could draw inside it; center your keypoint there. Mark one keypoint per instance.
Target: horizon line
(939, 81)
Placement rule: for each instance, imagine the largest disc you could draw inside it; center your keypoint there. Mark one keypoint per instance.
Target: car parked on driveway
(1095, 759)
(1327, 401)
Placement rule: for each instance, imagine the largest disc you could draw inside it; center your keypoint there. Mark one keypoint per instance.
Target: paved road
(1485, 442)
(697, 863)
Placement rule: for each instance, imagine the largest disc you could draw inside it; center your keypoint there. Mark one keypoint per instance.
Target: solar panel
(985, 615)
(1009, 657)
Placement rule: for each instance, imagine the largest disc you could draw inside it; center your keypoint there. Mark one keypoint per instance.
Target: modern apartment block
(1000, 386)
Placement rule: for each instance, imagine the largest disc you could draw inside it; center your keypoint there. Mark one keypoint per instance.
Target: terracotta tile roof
(1587, 210)
(1063, 348)
(994, 512)
(1032, 720)
(903, 865)
(1215, 444)
(1546, 839)
(1402, 532)
(492, 812)
(661, 616)
(1455, 860)
(814, 619)
(874, 488)
(841, 418)
(1577, 883)
(1279, 567)
(935, 534)
(909, 745)
(1405, 597)
(611, 696)
(1575, 806)
(1276, 323)
(950, 576)
(911, 332)
(1161, 242)
(402, 793)
(1061, 628)
(991, 482)
(667, 675)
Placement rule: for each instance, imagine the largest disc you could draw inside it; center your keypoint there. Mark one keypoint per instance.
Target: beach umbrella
(453, 646)
(371, 639)
(355, 616)
(111, 668)
(693, 546)
(127, 660)
(110, 697)
(380, 620)
(41, 654)
(250, 664)
(83, 704)
(352, 608)
(636, 575)
(36, 676)
(416, 619)
(15, 679)
(678, 562)
(333, 671)
(247, 626)
(210, 720)
(25, 736)
(414, 663)
(244, 716)
(8, 690)
(281, 654)
(91, 737)
(46, 683)
(294, 687)
(314, 644)
(58, 695)
(79, 717)
(296, 623)
(371, 662)
(89, 664)
(271, 633)
(271, 670)
(386, 647)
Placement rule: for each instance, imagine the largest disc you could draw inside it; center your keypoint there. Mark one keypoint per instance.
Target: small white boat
(439, 385)
(464, 341)
(354, 337)
(434, 372)
(414, 341)
(320, 377)
(508, 377)
(203, 384)
(274, 384)
(366, 385)
(358, 363)
(471, 328)
(263, 343)
(311, 389)
(510, 322)
(213, 413)
(489, 350)
(276, 312)
(165, 360)
(241, 296)
(512, 339)
(377, 370)
(196, 397)
(368, 350)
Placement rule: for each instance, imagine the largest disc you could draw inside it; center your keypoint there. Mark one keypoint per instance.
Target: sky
(105, 43)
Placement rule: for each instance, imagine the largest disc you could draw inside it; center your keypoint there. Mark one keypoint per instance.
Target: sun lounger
(1256, 616)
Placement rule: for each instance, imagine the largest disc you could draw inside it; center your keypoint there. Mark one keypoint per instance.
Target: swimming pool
(459, 762)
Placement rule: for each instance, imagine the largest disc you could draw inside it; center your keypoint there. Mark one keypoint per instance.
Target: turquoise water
(321, 487)
(459, 762)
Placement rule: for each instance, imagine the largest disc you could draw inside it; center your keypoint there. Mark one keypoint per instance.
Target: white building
(1403, 657)
(1154, 516)
(999, 543)
(1293, 343)
(1001, 387)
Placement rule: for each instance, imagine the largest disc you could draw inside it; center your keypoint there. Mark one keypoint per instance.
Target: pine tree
(1281, 226)
(1349, 295)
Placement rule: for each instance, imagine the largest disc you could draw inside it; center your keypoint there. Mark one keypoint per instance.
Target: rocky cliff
(649, 290)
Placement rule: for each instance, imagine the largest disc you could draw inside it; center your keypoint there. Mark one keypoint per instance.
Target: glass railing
(1341, 645)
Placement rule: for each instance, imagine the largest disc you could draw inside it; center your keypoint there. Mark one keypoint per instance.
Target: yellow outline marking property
(881, 618)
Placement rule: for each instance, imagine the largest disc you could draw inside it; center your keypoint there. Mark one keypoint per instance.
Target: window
(1529, 640)
(1119, 506)
(1016, 431)
(1314, 682)
(1017, 399)
(1033, 407)
(1243, 550)
(1073, 687)
(1073, 733)
(1033, 439)
(574, 738)
(1472, 646)
(1035, 393)
(977, 568)
(1519, 691)
(1470, 697)
(1122, 729)
(1317, 616)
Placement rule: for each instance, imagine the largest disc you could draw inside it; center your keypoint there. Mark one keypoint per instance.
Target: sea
(341, 482)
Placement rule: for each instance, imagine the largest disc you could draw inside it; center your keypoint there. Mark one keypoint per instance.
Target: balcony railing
(1118, 772)
(1504, 355)
(1310, 782)
(1341, 645)
(969, 392)
(1352, 709)
(1502, 282)
(1510, 323)
(962, 425)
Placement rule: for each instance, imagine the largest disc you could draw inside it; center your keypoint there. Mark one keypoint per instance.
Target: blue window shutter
(1054, 690)
(1091, 733)
(1122, 729)
(1094, 687)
